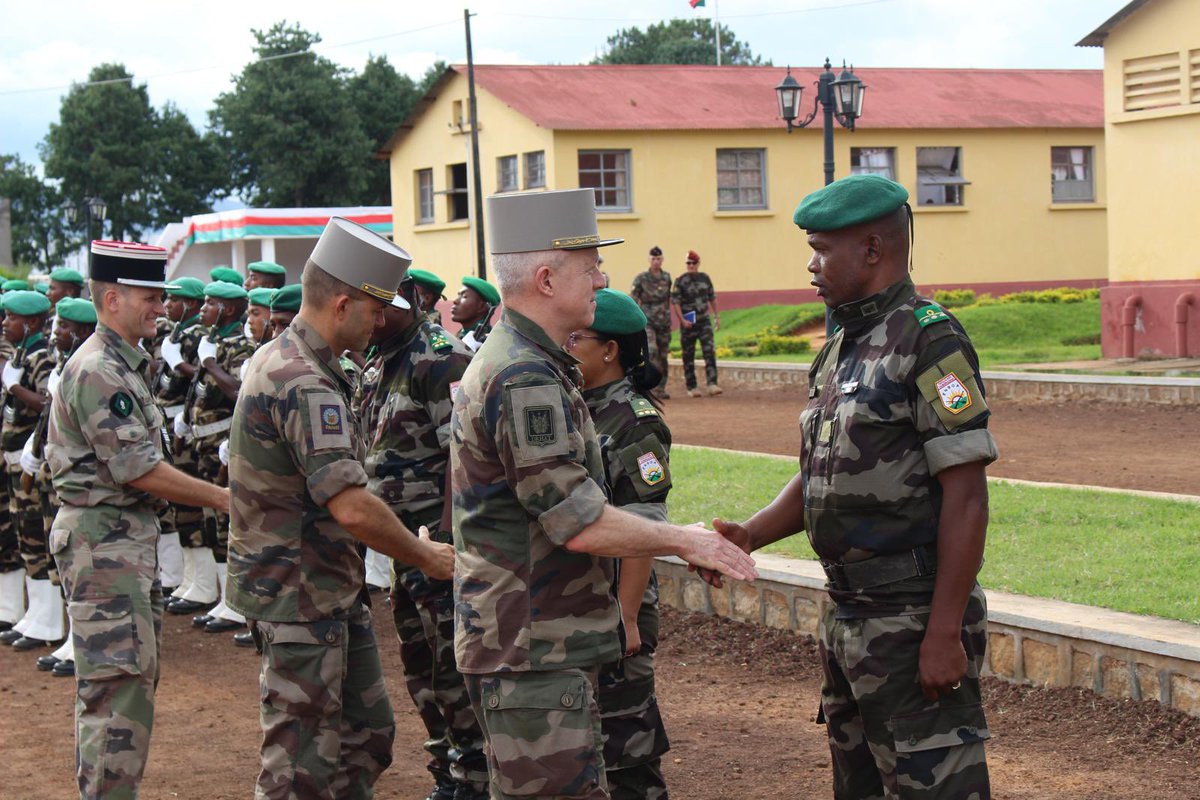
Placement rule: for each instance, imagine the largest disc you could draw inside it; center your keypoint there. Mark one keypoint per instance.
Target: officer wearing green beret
(429, 291)
(266, 274)
(477, 300)
(635, 443)
(258, 315)
(893, 496)
(225, 275)
(284, 306)
(64, 282)
(15, 285)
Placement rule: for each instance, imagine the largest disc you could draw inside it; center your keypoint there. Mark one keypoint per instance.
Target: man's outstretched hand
(736, 535)
(714, 554)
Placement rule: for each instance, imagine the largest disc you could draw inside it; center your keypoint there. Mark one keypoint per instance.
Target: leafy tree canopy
(677, 41)
(38, 231)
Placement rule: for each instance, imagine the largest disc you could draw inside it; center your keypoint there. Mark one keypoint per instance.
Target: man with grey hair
(533, 533)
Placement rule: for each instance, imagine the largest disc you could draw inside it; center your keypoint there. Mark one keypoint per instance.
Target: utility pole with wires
(717, 24)
(477, 179)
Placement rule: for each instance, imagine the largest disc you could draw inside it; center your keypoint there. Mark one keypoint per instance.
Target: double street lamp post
(94, 207)
(840, 97)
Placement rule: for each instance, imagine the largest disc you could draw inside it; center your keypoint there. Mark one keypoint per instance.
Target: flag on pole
(695, 3)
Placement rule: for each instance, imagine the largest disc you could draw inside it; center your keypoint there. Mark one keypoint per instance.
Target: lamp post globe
(789, 93)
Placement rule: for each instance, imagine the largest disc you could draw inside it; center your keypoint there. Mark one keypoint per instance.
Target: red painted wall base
(1152, 319)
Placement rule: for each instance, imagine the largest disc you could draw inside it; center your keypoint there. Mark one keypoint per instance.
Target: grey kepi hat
(361, 258)
(525, 222)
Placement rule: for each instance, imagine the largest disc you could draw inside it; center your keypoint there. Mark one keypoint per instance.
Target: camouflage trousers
(108, 560)
(700, 331)
(659, 340)
(886, 739)
(326, 720)
(188, 520)
(48, 501)
(10, 552)
(543, 733)
(25, 511)
(214, 525)
(423, 610)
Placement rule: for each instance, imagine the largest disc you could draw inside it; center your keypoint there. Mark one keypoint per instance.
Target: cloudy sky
(186, 52)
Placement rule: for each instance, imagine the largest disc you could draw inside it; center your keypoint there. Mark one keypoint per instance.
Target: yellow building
(1152, 137)
(1002, 165)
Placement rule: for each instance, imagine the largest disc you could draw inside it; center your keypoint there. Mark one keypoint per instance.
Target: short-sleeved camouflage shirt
(653, 293)
(895, 397)
(172, 386)
(295, 444)
(105, 428)
(20, 418)
(636, 444)
(405, 404)
(693, 291)
(527, 478)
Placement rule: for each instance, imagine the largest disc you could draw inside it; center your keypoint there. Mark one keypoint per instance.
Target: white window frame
(738, 170)
(1073, 174)
(506, 167)
(604, 174)
(940, 180)
(535, 169)
(425, 208)
(879, 161)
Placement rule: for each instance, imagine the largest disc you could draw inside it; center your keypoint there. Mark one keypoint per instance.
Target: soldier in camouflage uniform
(24, 392)
(534, 612)
(691, 299)
(301, 510)
(635, 443)
(284, 306)
(264, 274)
(893, 495)
(12, 570)
(405, 407)
(429, 291)
(105, 450)
(652, 291)
(473, 309)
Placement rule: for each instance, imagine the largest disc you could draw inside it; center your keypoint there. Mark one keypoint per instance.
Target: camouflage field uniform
(405, 406)
(895, 398)
(534, 621)
(693, 291)
(10, 553)
(636, 443)
(24, 504)
(47, 497)
(105, 431)
(170, 392)
(210, 407)
(297, 576)
(653, 294)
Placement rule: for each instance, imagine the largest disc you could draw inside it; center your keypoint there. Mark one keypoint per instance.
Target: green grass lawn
(1123, 552)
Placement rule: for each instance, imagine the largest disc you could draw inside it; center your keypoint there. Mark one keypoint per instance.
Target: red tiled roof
(677, 97)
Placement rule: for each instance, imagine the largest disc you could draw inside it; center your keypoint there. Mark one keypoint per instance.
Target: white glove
(207, 350)
(53, 381)
(11, 375)
(223, 452)
(172, 353)
(182, 429)
(469, 341)
(242, 372)
(29, 462)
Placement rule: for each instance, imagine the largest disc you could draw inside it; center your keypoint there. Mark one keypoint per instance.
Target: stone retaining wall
(1022, 647)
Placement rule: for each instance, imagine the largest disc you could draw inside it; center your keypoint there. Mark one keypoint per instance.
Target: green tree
(289, 128)
(383, 99)
(677, 41)
(191, 167)
(39, 234)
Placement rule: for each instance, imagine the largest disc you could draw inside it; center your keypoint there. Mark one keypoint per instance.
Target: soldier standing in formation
(302, 508)
(893, 494)
(405, 406)
(534, 613)
(429, 292)
(635, 443)
(265, 275)
(652, 292)
(284, 306)
(64, 282)
(473, 308)
(105, 450)
(694, 302)
(258, 329)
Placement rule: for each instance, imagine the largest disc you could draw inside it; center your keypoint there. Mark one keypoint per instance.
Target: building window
(939, 176)
(424, 196)
(457, 119)
(457, 196)
(606, 171)
(1071, 175)
(741, 179)
(873, 161)
(506, 174)
(535, 170)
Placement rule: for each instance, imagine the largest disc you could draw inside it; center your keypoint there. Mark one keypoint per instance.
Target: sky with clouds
(187, 52)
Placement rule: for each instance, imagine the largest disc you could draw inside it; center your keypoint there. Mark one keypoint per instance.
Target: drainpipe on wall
(1181, 322)
(1128, 319)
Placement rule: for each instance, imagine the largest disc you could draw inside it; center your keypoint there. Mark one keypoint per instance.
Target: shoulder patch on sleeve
(643, 407)
(328, 422)
(647, 465)
(951, 388)
(539, 423)
(928, 314)
(439, 341)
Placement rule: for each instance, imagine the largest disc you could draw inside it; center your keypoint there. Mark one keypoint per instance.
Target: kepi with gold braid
(361, 258)
(526, 222)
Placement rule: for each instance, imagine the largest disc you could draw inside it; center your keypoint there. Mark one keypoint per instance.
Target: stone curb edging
(1030, 640)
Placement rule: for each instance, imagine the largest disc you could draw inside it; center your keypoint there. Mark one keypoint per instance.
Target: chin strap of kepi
(912, 236)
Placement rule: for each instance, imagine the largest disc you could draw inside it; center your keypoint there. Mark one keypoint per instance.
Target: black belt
(881, 570)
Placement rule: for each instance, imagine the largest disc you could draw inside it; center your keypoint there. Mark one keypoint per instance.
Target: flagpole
(717, 16)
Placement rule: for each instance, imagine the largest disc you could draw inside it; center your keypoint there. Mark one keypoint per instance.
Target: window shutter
(1153, 82)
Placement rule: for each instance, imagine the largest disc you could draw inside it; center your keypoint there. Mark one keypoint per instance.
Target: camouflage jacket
(171, 389)
(405, 406)
(21, 418)
(208, 404)
(636, 446)
(295, 444)
(653, 294)
(527, 478)
(42, 427)
(894, 398)
(693, 291)
(105, 428)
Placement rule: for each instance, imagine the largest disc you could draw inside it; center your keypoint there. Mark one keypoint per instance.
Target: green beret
(485, 289)
(187, 288)
(617, 313)
(224, 291)
(66, 275)
(25, 303)
(849, 201)
(225, 275)
(261, 296)
(75, 309)
(14, 285)
(287, 298)
(267, 268)
(42, 288)
(427, 280)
